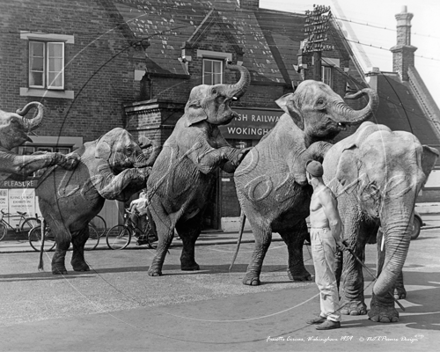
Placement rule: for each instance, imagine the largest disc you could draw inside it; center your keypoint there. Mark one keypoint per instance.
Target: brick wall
(100, 84)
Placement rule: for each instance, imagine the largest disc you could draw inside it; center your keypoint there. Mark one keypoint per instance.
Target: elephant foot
(251, 280)
(59, 270)
(400, 293)
(154, 272)
(80, 266)
(383, 314)
(354, 308)
(189, 267)
(299, 275)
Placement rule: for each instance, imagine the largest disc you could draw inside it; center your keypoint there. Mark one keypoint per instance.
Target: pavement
(117, 307)
(14, 244)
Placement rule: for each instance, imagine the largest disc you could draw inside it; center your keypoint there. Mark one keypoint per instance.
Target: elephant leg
(79, 240)
(165, 233)
(189, 231)
(399, 289)
(58, 259)
(263, 238)
(294, 239)
(352, 279)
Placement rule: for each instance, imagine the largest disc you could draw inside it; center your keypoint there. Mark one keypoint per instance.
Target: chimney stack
(403, 51)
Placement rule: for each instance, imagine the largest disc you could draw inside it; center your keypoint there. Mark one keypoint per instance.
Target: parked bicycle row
(117, 237)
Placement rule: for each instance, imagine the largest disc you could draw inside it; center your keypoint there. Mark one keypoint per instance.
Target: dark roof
(269, 40)
(399, 110)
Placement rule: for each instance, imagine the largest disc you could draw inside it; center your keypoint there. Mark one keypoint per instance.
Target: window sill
(44, 93)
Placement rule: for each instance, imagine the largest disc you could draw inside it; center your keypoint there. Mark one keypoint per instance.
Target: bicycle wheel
(35, 239)
(3, 230)
(100, 225)
(118, 237)
(93, 239)
(29, 223)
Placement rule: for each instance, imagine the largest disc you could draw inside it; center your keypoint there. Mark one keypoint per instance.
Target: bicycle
(25, 224)
(49, 239)
(119, 236)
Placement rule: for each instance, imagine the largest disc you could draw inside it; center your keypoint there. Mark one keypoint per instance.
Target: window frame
(47, 83)
(212, 74)
(329, 70)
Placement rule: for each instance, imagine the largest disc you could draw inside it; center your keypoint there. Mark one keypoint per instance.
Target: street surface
(118, 307)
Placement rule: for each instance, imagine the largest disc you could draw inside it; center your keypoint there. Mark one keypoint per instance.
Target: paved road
(118, 307)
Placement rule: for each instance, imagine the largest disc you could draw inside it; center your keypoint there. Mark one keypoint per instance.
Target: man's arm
(330, 206)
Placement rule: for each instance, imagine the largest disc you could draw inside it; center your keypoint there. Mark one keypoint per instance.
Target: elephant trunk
(141, 161)
(31, 124)
(397, 235)
(238, 89)
(345, 114)
(155, 151)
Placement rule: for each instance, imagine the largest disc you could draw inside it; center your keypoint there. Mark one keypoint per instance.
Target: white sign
(21, 200)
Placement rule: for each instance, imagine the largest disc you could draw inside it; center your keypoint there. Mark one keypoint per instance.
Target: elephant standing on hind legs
(112, 167)
(14, 129)
(376, 175)
(271, 180)
(185, 171)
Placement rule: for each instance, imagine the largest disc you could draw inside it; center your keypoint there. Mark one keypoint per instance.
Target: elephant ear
(347, 171)
(194, 113)
(429, 157)
(287, 104)
(103, 149)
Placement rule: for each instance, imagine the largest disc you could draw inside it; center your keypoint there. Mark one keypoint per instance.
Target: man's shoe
(318, 320)
(328, 325)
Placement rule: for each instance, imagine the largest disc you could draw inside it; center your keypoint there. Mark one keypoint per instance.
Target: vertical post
(317, 65)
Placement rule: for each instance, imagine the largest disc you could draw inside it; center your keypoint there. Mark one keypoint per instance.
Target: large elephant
(271, 180)
(111, 167)
(14, 129)
(185, 171)
(376, 175)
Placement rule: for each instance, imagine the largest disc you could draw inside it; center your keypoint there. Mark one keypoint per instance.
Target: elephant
(14, 129)
(186, 169)
(271, 182)
(376, 175)
(111, 167)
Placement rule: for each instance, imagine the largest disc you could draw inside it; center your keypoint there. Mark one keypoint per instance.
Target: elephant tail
(240, 236)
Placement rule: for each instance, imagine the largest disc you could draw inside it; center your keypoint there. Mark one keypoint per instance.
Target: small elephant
(185, 171)
(376, 175)
(14, 129)
(111, 167)
(271, 181)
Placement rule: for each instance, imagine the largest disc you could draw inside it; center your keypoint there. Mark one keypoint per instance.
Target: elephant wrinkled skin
(271, 180)
(14, 129)
(111, 167)
(376, 175)
(185, 171)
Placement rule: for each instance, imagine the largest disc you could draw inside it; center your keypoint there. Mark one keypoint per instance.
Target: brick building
(132, 64)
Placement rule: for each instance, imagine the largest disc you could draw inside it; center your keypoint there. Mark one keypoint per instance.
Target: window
(46, 65)
(212, 71)
(326, 75)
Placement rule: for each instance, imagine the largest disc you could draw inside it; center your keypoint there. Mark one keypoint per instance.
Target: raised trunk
(31, 124)
(397, 235)
(238, 89)
(345, 114)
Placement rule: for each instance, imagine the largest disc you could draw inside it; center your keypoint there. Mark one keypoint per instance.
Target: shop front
(243, 132)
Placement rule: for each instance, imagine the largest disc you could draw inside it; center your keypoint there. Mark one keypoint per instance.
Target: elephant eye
(320, 103)
(129, 150)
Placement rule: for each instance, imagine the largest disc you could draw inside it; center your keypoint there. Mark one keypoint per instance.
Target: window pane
(36, 49)
(55, 64)
(208, 65)
(217, 78)
(36, 79)
(217, 66)
(37, 64)
(55, 80)
(55, 49)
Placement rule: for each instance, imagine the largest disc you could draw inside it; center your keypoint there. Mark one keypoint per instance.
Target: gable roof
(400, 110)
(269, 40)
